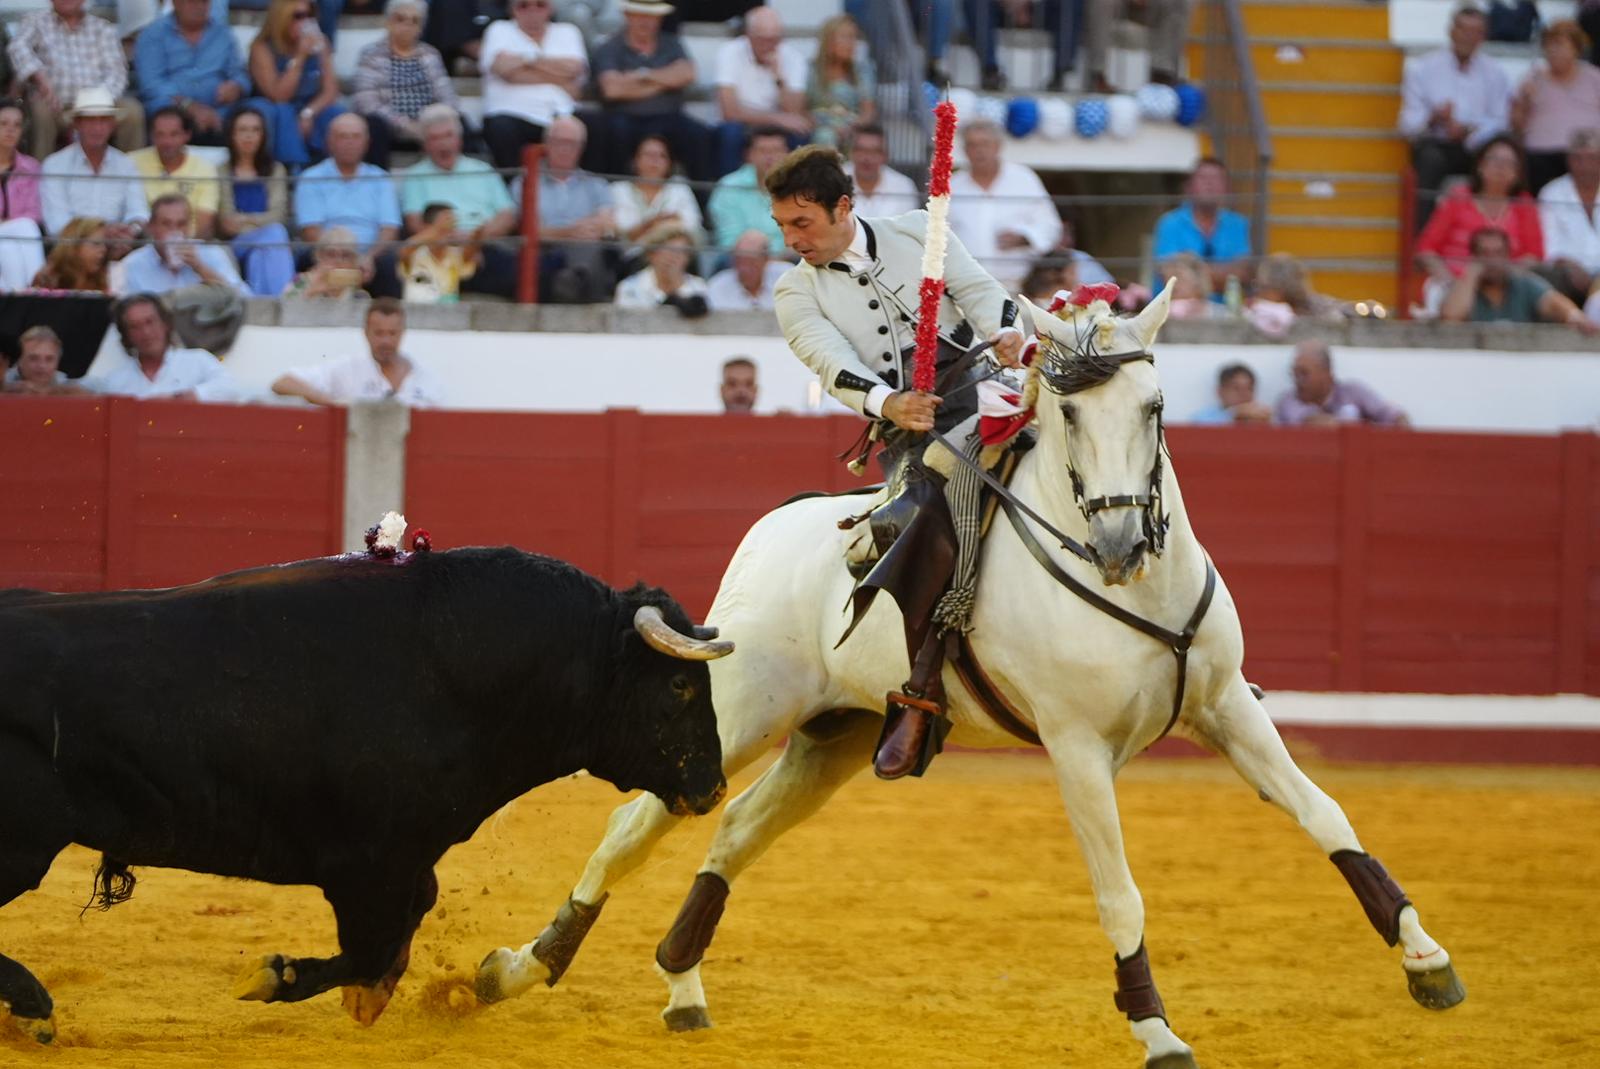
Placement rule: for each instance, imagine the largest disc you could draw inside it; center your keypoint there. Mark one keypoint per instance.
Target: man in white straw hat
(89, 177)
(642, 74)
(60, 50)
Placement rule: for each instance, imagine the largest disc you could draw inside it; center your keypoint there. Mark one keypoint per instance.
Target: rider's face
(811, 231)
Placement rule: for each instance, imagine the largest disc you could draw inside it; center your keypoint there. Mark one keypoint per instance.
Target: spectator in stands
(575, 220)
(154, 366)
(1168, 22)
(1567, 215)
(297, 90)
(1236, 399)
(480, 205)
(38, 367)
(1495, 198)
(1090, 271)
(344, 191)
(1000, 210)
(1491, 289)
(21, 244)
(437, 259)
(738, 389)
(61, 52)
(118, 195)
(533, 71)
(397, 79)
(1319, 400)
(384, 373)
(740, 201)
(880, 189)
(253, 205)
(189, 60)
(841, 90)
(1191, 293)
(1203, 226)
(666, 279)
(1452, 102)
(1555, 102)
(336, 273)
(456, 28)
(641, 75)
(1047, 276)
(172, 259)
(653, 198)
(78, 260)
(169, 167)
(747, 285)
(761, 83)
(1283, 294)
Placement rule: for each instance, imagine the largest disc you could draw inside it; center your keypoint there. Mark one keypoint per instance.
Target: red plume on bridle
(1084, 296)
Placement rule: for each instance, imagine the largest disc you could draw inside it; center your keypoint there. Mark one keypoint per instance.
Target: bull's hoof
(687, 1019)
(1436, 989)
(41, 1030)
(500, 978)
(261, 981)
(1180, 1060)
(366, 1004)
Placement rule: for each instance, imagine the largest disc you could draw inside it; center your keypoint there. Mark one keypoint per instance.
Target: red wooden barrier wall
(1361, 559)
(110, 492)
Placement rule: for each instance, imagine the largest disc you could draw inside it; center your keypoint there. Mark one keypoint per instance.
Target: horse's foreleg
(818, 760)
(1084, 776)
(1240, 730)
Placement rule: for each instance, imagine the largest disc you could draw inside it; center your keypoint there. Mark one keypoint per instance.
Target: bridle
(1065, 375)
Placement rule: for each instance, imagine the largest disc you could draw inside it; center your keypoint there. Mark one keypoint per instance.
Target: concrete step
(1361, 19)
(1360, 151)
(1355, 196)
(1340, 61)
(1354, 280)
(1367, 107)
(1341, 237)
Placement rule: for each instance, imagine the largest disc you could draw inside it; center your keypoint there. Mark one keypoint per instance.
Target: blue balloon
(931, 95)
(1191, 104)
(1022, 117)
(1091, 117)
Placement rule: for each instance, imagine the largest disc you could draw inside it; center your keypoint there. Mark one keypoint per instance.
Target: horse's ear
(1044, 322)
(1147, 324)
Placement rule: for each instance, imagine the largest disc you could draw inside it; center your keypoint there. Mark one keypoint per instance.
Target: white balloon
(1122, 120)
(993, 109)
(1055, 119)
(966, 102)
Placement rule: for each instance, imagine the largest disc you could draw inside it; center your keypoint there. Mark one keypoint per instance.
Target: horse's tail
(113, 884)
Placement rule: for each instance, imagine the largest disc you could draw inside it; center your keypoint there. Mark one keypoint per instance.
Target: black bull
(337, 723)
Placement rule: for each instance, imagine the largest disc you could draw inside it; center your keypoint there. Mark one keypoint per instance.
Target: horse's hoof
(260, 982)
(41, 1030)
(1436, 989)
(1181, 1060)
(499, 978)
(687, 1019)
(366, 1004)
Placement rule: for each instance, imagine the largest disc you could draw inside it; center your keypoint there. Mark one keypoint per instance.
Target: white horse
(1096, 690)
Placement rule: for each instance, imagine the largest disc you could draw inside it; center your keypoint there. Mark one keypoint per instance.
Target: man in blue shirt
(344, 191)
(188, 60)
(1201, 225)
(172, 260)
(1236, 399)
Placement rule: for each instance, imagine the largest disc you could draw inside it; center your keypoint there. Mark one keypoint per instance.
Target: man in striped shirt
(60, 51)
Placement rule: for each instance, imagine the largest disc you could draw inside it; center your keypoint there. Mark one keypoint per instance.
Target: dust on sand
(942, 922)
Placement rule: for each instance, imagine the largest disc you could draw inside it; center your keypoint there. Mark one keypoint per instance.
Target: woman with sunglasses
(291, 65)
(397, 78)
(533, 71)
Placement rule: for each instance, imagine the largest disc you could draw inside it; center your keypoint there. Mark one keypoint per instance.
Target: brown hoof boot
(900, 750)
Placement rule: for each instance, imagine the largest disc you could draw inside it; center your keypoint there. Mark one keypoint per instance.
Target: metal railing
(1236, 119)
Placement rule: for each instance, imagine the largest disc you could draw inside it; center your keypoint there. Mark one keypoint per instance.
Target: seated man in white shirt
(1569, 212)
(880, 189)
(761, 81)
(384, 375)
(172, 260)
(154, 366)
(747, 285)
(89, 178)
(1000, 210)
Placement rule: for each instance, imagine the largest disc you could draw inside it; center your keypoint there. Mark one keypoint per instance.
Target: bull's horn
(663, 638)
(703, 631)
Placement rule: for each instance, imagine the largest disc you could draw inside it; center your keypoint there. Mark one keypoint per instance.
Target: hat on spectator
(646, 7)
(665, 233)
(94, 100)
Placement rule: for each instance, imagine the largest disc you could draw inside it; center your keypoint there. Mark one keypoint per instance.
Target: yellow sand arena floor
(946, 922)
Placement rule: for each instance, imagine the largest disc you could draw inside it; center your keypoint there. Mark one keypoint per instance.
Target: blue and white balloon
(1022, 116)
(1158, 102)
(1091, 117)
(993, 109)
(1122, 116)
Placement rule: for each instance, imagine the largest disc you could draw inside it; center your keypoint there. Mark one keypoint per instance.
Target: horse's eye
(1156, 406)
(1069, 413)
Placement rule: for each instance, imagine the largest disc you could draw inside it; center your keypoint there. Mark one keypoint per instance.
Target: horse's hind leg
(1239, 729)
(32, 833)
(1084, 777)
(819, 759)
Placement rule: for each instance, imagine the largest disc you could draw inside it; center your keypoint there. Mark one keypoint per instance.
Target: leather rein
(1018, 513)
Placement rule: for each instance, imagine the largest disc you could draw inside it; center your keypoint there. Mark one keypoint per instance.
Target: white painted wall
(1442, 389)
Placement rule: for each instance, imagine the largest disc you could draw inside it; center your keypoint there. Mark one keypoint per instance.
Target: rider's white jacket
(853, 324)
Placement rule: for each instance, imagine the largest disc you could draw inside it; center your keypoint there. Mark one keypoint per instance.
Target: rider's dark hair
(814, 173)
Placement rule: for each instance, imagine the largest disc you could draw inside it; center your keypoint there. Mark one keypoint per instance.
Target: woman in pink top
(21, 244)
(1493, 198)
(1552, 103)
